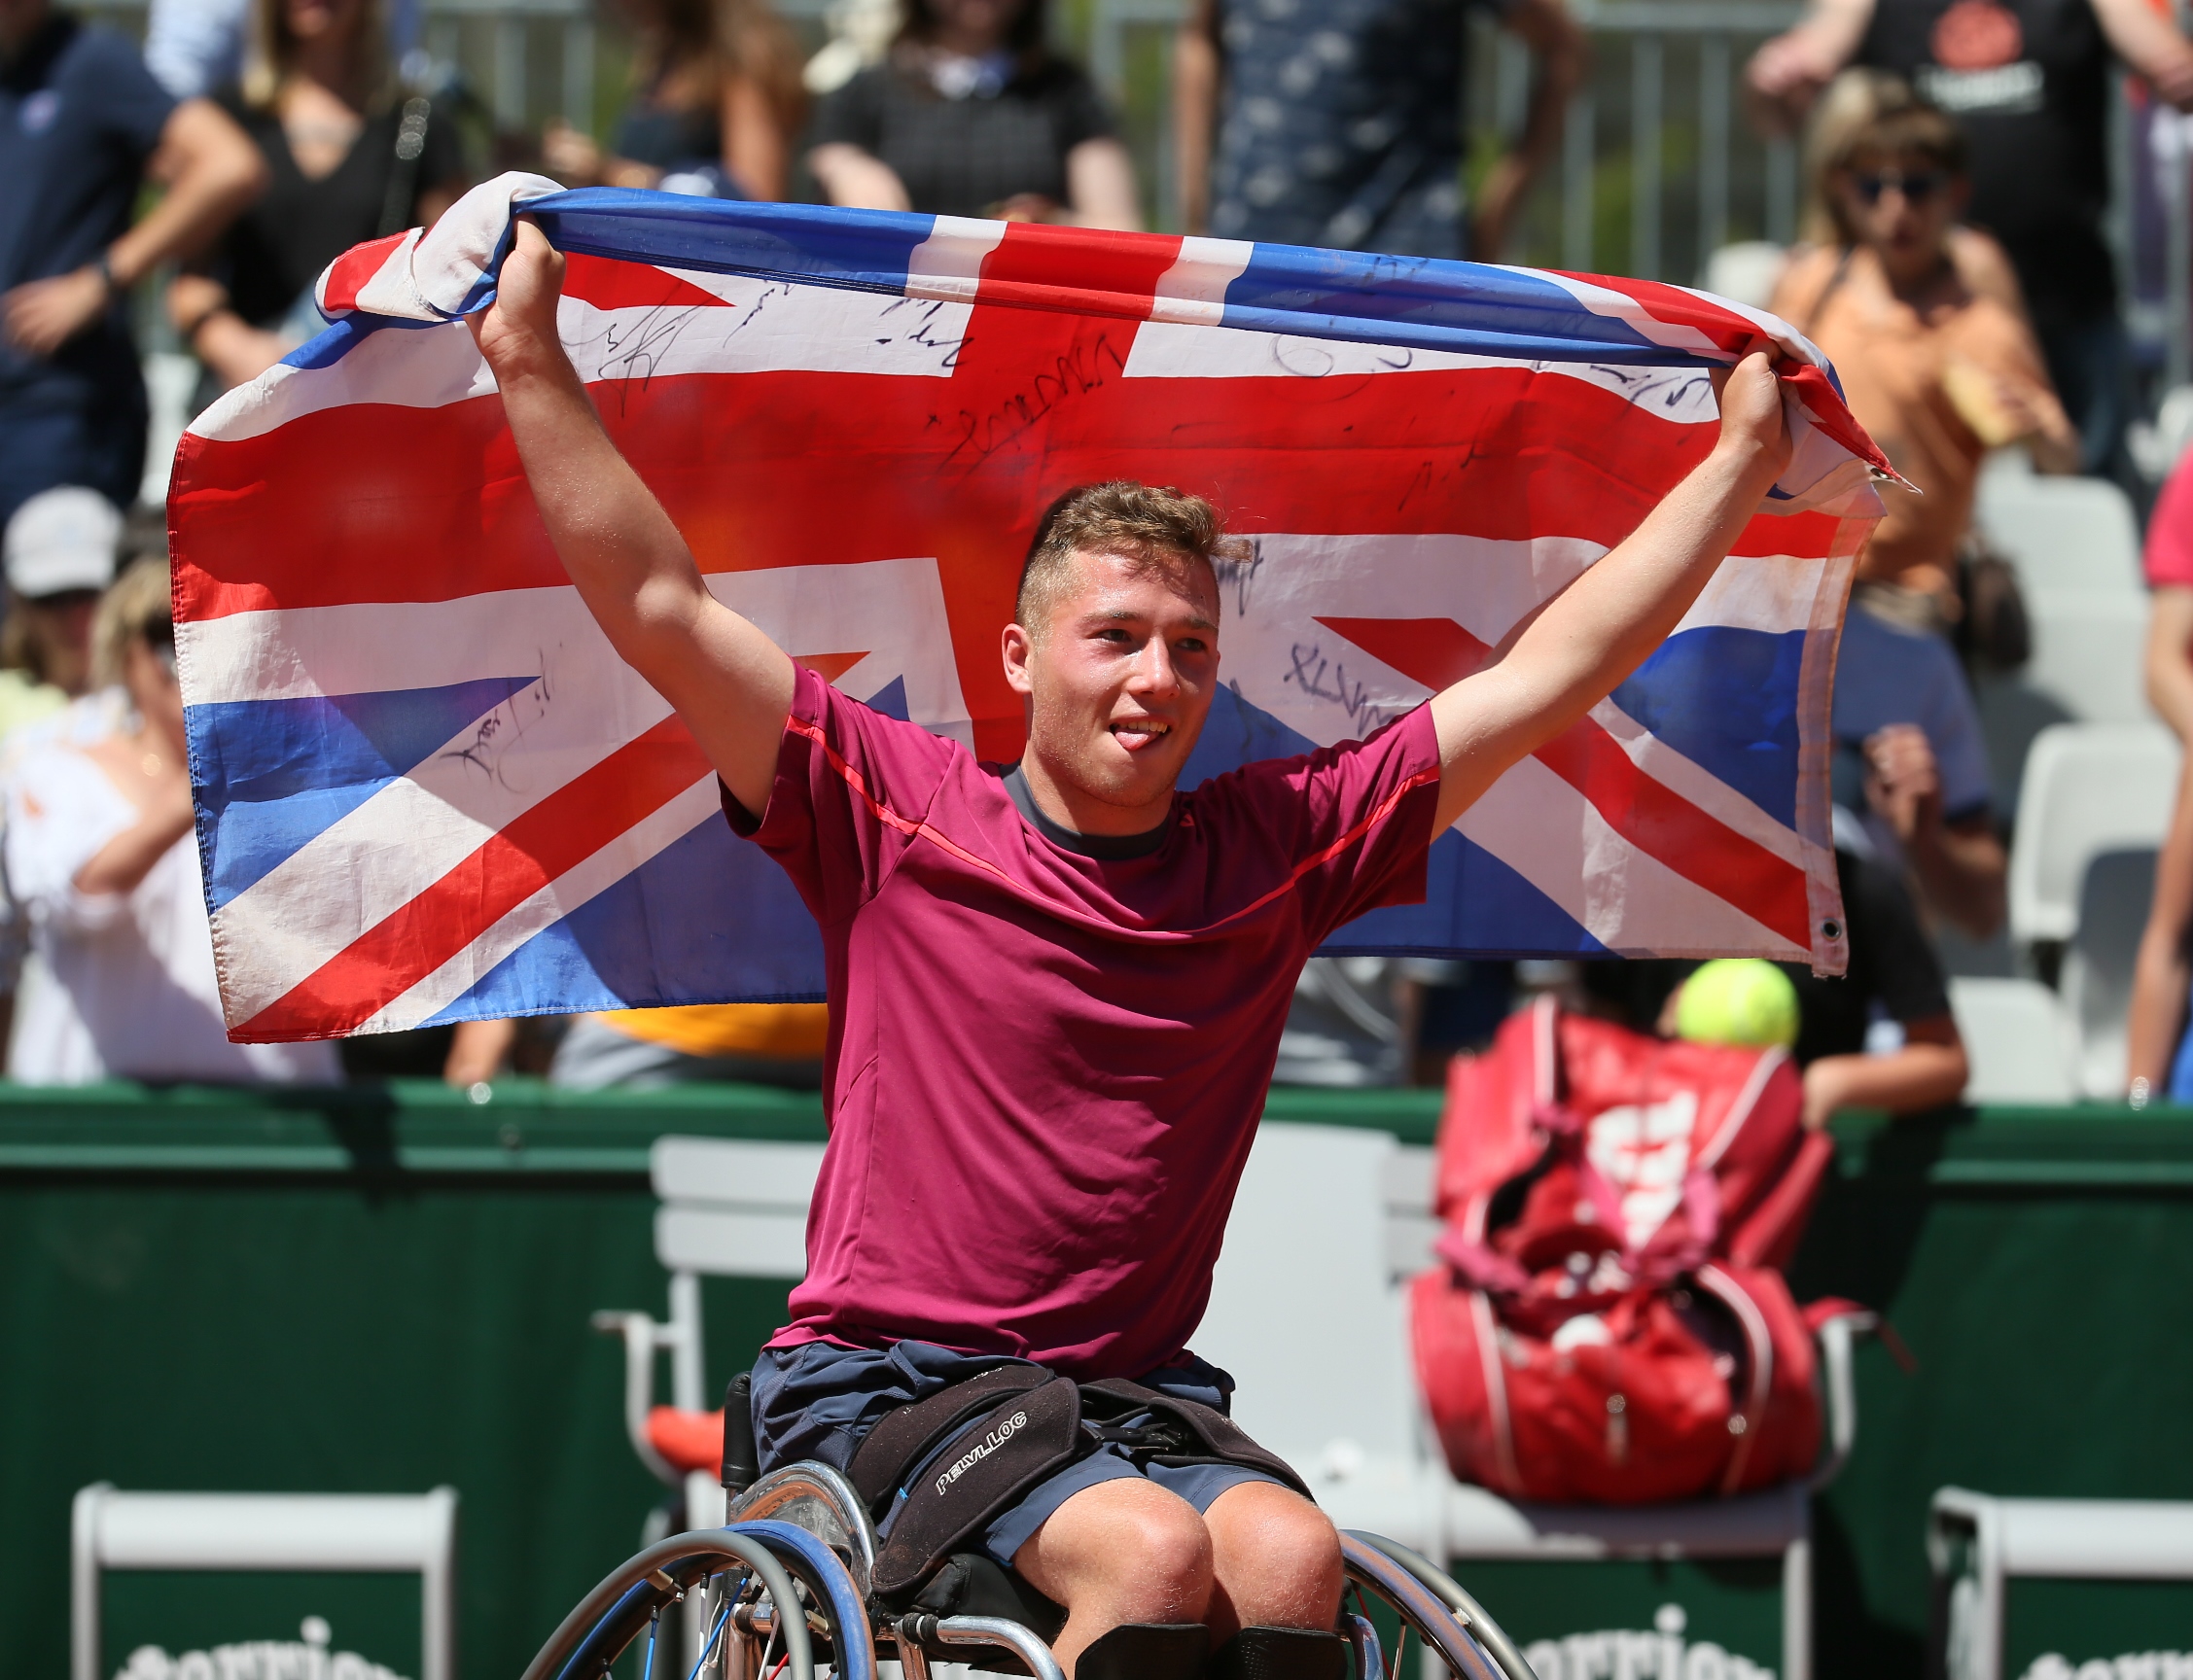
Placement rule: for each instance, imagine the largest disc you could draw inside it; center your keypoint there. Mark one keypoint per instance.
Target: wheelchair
(785, 1588)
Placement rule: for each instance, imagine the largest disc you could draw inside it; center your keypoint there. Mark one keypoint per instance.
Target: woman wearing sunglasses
(1921, 320)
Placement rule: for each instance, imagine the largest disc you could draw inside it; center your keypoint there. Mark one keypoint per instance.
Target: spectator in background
(99, 853)
(2158, 1048)
(1340, 124)
(696, 1044)
(2030, 81)
(971, 115)
(2170, 618)
(1938, 373)
(348, 158)
(82, 126)
(59, 557)
(718, 104)
(1880, 1036)
(196, 48)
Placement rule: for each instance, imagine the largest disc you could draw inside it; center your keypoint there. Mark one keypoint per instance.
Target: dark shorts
(820, 1401)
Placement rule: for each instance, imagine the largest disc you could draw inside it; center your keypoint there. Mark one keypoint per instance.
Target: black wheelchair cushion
(1281, 1654)
(1146, 1651)
(972, 1583)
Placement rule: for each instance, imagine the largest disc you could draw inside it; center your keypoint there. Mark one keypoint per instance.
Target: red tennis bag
(1610, 1325)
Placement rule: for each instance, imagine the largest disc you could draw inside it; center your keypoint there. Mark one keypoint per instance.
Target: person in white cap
(59, 557)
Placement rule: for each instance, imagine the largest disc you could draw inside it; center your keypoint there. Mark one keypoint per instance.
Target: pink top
(2170, 530)
(1045, 1071)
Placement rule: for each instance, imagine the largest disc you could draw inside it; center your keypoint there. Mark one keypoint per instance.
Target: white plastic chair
(2061, 533)
(2088, 789)
(2016, 1039)
(2088, 646)
(270, 1532)
(730, 1208)
(2098, 963)
(1976, 1545)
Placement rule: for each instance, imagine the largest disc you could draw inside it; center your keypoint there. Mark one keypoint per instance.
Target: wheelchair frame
(800, 1536)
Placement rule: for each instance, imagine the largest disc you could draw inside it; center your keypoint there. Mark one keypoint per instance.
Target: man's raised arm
(1586, 640)
(731, 683)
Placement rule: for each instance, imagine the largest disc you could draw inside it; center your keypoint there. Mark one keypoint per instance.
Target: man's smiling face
(1118, 681)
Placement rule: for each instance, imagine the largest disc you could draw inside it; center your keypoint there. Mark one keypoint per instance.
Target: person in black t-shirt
(351, 159)
(2027, 81)
(1893, 990)
(971, 116)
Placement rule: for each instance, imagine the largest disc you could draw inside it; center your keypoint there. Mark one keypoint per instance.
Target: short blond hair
(139, 605)
(1160, 526)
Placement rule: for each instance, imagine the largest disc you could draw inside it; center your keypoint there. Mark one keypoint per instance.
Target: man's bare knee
(1123, 1551)
(1276, 1558)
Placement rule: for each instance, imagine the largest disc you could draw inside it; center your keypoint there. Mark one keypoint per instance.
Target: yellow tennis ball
(1738, 1000)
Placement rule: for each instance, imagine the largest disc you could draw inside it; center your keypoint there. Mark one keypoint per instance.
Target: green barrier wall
(378, 1291)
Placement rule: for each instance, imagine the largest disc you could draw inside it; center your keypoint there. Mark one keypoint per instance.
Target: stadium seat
(2087, 652)
(266, 1533)
(1979, 1545)
(2096, 978)
(2088, 789)
(2076, 533)
(730, 1208)
(2015, 1036)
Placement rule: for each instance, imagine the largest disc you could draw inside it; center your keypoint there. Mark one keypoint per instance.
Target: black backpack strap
(904, 1433)
(1182, 1432)
(979, 1477)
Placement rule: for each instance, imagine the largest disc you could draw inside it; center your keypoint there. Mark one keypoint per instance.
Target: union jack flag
(429, 792)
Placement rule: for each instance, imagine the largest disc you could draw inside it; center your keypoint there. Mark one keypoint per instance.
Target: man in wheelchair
(1056, 992)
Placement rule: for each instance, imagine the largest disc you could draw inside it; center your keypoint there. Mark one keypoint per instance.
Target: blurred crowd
(1951, 264)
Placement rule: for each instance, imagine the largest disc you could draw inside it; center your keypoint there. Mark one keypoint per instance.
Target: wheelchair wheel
(1452, 1624)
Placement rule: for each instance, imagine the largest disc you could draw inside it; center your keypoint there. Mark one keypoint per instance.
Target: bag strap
(1222, 1441)
(897, 1442)
(1833, 286)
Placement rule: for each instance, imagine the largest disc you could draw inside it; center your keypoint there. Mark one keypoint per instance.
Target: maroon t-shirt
(1046, 1070)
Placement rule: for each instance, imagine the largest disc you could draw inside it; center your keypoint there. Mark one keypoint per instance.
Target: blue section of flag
(1430, 303)
(709, 911)
(1475, 903)
(272, 774)
(1726, 699)
(868, 250)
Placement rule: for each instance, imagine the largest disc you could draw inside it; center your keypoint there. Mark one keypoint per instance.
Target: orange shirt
(1893, 363)
(792, 1032)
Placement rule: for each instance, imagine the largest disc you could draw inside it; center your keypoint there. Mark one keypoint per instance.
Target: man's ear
(1018, 647)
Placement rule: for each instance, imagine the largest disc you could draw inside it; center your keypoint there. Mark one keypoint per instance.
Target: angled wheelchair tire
(1445, 1617)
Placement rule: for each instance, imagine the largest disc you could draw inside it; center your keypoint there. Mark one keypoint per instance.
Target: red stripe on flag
(1078, 270)
(534, 849)
(348, 273)
(1647, 813)
(608, 284)
(776, 470)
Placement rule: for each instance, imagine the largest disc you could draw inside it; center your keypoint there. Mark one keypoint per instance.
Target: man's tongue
(1136, 737)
